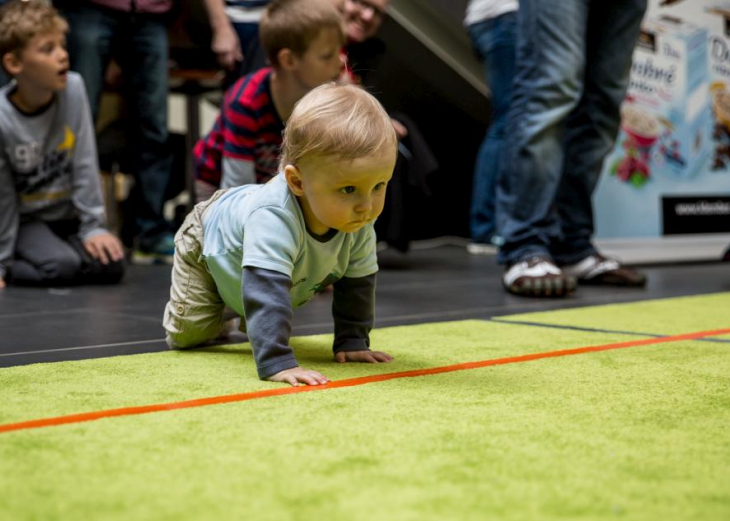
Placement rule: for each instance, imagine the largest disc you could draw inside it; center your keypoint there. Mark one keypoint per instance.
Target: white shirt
(480, 10)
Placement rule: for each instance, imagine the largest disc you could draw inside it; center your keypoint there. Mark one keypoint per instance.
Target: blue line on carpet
(596, 330)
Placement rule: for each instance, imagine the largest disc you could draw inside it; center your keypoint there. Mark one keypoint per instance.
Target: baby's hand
(297, 375)
(371, 357)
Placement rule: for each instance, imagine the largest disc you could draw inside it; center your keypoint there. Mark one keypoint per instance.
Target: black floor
(433, 285)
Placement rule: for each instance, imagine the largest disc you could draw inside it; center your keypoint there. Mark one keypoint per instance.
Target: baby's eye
(347, 189)
(379, 187)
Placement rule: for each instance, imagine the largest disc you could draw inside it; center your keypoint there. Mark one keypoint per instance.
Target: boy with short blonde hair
(52, 224)
(263, 250)
(302, 39)
(20, 24)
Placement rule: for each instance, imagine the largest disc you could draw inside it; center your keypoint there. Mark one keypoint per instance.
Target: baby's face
(344, 194)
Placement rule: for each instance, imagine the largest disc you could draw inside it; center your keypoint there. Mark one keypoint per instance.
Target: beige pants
(194, 313)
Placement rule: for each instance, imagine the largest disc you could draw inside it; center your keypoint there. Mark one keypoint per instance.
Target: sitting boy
(302, 39)
(263, 250)
(52, 224)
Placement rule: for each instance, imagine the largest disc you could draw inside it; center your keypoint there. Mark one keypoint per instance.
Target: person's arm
(353, 310)
(268, 315)
(9, 219)
(237, 172)
(87, 194)
(225, 43)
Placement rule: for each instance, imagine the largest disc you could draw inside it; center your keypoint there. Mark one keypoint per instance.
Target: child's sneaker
(603, 271)
(485, 248)
(481, 248)
(537, 277)
(162, 251)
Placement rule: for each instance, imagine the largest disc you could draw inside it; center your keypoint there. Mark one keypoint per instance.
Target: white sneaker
(537, 277)
(604, 271)
(481, 248)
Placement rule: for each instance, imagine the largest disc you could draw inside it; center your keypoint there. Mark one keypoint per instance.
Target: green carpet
(637, 433)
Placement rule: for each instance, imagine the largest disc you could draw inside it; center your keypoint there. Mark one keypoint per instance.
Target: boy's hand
(400, 129)
(104, 247)
(370, 357)
(297, 375)
(226, 47)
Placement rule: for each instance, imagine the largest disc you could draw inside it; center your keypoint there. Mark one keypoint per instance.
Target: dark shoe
(162, 251)
(598, 270)
(537, 277)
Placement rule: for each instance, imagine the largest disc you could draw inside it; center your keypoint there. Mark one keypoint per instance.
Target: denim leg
(89, 47)
(494, 42)
(547, 86)
(591, 130)
(143, 56)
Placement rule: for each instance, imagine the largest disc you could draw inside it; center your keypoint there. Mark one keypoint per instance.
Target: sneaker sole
(609, 280)
(150, 259)
(557, 287)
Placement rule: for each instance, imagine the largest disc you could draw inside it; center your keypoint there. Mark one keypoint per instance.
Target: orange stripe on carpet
(350, 382)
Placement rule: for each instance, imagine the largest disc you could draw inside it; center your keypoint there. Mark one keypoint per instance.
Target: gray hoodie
(48, 165)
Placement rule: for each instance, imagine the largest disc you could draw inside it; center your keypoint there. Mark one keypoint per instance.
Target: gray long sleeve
(9, 218)
(87, 194)
(353, 310)
(237, 173)
(268, 310)
(267, 306)
(48, 165)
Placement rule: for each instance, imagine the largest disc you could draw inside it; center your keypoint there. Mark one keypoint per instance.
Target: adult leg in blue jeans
(494, 41)
(142, 53)
(561, 44)
(139, 44)
(590, 135)
(90, 36)
(591, 129)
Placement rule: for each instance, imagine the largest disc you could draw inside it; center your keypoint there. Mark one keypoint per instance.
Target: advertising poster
(668, 176)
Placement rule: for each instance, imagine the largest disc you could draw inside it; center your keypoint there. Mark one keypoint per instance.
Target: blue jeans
(494, 42)
(572, 70)
(139, 44)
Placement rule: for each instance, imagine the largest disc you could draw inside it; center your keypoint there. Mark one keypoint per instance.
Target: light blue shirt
(262, 226)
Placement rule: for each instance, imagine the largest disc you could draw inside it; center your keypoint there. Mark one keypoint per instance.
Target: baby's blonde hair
(294, 24)
(21, 21)
(339, 121)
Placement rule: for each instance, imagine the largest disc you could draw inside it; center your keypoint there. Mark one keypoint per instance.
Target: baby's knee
(180, 341)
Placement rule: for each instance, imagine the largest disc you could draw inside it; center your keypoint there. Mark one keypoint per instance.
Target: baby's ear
(294, 179)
